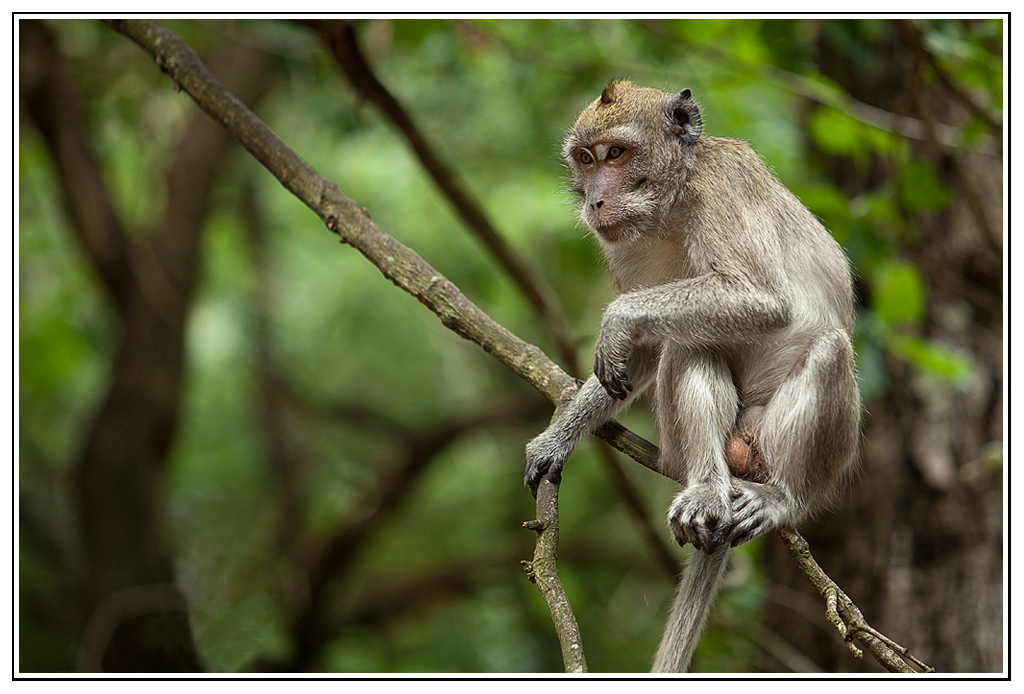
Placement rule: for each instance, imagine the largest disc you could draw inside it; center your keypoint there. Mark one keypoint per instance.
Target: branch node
(528, 568)
(537, 525)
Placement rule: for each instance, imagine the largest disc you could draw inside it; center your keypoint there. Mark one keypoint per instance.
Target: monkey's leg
(697, 405)
(808, 435)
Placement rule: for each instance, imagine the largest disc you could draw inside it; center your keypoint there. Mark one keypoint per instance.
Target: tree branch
(340, 37)
(844, 614)
(403, 266)
(543, 572)
(51, 100)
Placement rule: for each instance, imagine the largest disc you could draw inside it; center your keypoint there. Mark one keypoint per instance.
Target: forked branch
(844, 615)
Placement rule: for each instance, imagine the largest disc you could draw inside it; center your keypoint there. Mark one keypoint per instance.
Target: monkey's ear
(686, 116)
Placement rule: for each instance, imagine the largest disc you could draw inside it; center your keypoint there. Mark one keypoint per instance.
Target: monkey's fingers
(699, 537)
(536, 470)
(532, 479)
(545, 455)
(750, 528)
(613, 377)
(756, 509)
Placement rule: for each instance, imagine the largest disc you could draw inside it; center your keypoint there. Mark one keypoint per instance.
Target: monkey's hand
(615, 343)
(545, 455)
(756, 509)
(702, 516)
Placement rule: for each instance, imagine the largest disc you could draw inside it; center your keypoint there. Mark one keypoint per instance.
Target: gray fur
(690, 609)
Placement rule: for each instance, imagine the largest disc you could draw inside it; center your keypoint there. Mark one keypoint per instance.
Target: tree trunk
(132, 616)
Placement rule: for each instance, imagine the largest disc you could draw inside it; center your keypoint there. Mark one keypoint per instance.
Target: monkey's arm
(589, 409)
(709, 310)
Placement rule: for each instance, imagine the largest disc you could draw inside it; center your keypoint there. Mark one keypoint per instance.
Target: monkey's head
(627, 152)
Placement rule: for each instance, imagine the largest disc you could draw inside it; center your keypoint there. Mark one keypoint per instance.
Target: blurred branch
(399, 264)
(656, 540)
(403, 266)
(905, 126)
(826, 95)
(381, 600)
(284, 457)
(991, 231)
(161, 602)
(51, 100)
(912, 35)
(328, 560)
(340, 37)
(149, 276)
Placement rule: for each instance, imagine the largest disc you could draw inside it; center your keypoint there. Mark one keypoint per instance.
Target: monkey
(737, 304)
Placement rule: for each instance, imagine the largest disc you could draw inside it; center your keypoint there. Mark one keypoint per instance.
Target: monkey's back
(757, 229)
(740, 220)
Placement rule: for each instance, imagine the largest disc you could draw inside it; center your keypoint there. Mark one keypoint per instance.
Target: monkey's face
(626, 155)
(612, 191)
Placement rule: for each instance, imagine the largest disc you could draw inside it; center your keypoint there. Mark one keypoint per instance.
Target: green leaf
(933, 358)
(899, 294)
(834, 132)
(921, 189)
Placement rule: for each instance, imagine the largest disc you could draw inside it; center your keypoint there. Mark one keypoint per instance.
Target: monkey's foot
(701, 515)
(756, 509)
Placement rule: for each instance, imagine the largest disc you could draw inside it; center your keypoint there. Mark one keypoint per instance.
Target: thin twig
(844, 614)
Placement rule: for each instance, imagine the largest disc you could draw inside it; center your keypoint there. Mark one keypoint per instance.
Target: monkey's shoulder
(729, 182)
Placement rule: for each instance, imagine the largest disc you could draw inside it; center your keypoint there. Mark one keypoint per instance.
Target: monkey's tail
(697, 590)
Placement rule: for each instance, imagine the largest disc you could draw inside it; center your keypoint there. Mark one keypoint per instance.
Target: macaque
(737, 304)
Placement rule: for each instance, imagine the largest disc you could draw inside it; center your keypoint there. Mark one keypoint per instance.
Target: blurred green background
(341, 489)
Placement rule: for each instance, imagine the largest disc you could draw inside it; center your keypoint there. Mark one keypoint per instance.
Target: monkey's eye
(586, 158)
(614, 152)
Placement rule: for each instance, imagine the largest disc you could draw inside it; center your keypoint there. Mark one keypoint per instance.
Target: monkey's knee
(828, 355)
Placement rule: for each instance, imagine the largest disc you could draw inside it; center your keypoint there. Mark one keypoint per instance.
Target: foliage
(368, 370)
